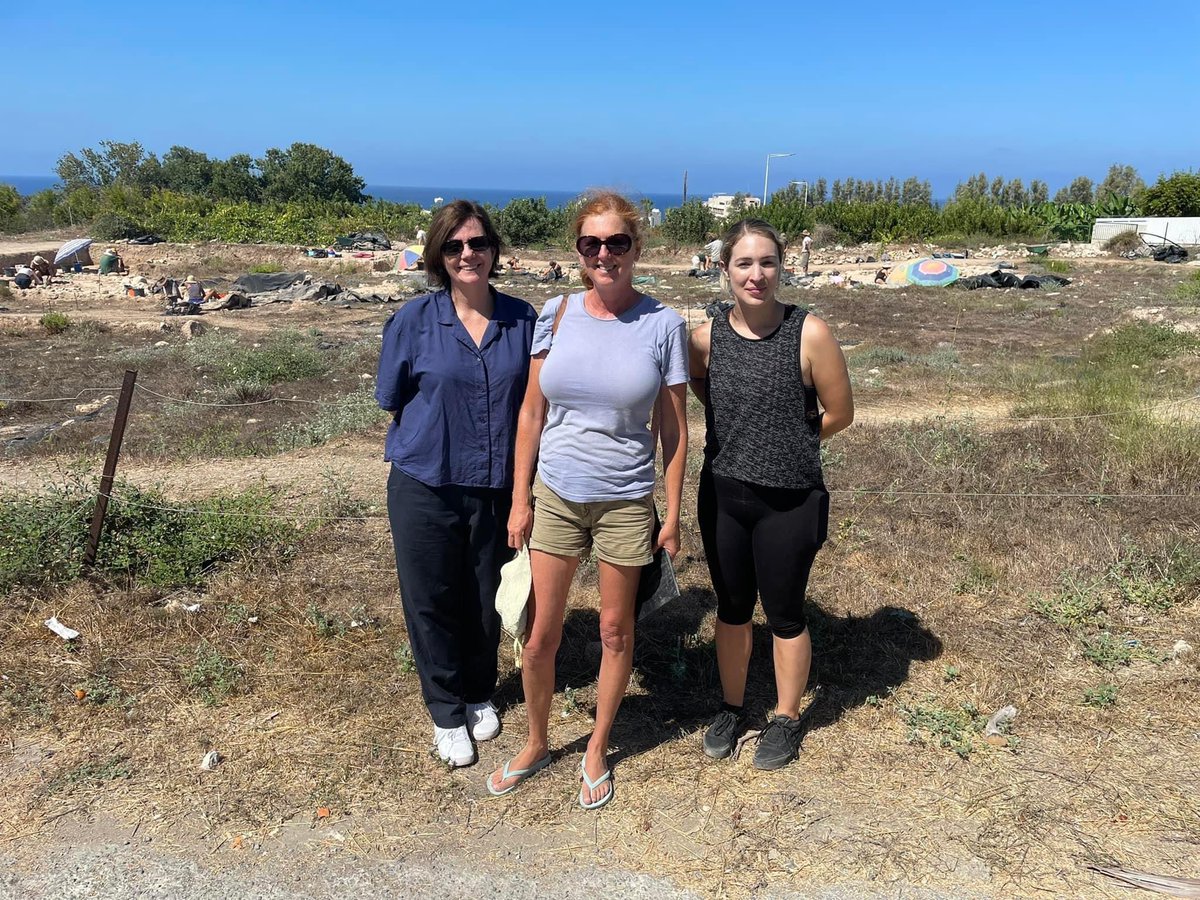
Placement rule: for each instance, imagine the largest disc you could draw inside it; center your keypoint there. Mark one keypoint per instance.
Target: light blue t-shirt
(601, 381)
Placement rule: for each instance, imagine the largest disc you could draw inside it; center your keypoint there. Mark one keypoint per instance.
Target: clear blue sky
(570, 94)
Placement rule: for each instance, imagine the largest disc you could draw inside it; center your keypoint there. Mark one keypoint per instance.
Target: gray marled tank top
(761, 421)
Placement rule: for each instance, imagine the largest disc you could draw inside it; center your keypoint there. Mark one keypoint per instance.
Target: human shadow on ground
(678, 687)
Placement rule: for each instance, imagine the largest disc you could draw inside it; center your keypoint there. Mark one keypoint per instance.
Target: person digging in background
(25, 277)
(764, 371)
(452, 373)
(43, 268)
(603, 359)
(111, 263)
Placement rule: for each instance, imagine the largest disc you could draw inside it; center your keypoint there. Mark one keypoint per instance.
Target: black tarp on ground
(261, 282)
(1170, 254)
(365, 240)
(999, 279)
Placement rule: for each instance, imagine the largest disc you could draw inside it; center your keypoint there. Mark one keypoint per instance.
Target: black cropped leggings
(761, 541)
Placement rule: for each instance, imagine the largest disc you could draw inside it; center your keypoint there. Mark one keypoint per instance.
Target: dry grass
(961, 575)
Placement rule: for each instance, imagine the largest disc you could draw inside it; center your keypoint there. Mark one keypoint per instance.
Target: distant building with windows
(720, 204)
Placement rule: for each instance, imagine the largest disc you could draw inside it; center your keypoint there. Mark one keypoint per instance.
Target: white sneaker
(483, 721)
(454, 745)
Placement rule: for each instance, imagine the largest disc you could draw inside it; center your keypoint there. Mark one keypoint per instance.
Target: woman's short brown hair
(448, 220)
(602, 203)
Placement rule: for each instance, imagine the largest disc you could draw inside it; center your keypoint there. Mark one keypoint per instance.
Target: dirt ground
(956, 513)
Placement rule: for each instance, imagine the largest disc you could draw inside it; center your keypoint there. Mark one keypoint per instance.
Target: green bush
(352, 413)
(212, 675)
(1177, 195)
(146, 540)
(527, 221)
(55, 322)
(284, 356)
(690, 223)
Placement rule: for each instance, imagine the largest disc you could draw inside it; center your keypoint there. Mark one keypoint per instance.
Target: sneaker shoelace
(724, 725)
(789, 736)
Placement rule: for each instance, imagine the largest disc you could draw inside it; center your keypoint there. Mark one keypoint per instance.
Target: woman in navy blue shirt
(452, 372)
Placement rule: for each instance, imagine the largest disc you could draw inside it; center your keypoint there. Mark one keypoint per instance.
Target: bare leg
(793, 658)
(552, 576)
(618, 588)
(734, 643)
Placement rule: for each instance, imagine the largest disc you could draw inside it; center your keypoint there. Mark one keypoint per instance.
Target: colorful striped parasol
(924, 272)
(409, 257)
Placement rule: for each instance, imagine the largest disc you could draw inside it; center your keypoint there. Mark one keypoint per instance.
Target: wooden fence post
(110, 467)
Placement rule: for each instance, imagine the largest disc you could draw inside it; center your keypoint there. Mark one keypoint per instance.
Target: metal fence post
(110, 467)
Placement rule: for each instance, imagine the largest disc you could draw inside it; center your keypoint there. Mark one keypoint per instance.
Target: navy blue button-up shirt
(454, 405)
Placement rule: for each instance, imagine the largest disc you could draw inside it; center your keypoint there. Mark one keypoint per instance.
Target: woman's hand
(668, 538)
(520, 525)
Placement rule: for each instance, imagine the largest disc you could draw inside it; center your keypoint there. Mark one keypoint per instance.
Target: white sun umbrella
(71, 248)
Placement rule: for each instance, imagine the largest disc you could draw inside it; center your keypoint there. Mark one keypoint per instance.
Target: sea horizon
(426, 195)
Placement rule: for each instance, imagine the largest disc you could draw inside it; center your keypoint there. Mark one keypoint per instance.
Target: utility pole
(685, 187)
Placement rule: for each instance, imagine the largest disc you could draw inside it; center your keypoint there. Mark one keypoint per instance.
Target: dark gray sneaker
(779, 743)
(722, 734)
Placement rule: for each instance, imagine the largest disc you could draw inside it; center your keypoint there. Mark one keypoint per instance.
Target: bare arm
(673, 431)
(699, 343)
(820, 349)
(530, 421)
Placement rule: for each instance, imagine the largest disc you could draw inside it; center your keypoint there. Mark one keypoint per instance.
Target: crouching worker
(111, 263)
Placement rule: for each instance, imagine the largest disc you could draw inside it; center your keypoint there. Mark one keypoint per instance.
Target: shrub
(1125, 242)
(349, 414)
(146, 540)
(6, 293)
(526, 221)
(55, 322)
(1100, 696)
(1178, 195)
(212, 676)
(689, 224)
(266, 268)
(284, 356)
(116, 226)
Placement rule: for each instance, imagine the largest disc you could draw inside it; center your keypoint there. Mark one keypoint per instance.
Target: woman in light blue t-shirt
(603, 360)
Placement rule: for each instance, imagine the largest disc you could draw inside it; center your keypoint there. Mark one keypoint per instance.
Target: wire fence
(928, 410)
(850, 493)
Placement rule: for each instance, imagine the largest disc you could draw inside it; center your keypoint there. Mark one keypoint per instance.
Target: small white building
(720, 204)
(655, 217)
(1180, 229)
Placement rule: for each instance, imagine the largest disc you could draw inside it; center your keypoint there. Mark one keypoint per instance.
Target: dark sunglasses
(454, 247)
(618, 245)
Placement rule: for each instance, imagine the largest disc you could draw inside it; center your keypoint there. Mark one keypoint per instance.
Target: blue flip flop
(592, 785)
(519, 774)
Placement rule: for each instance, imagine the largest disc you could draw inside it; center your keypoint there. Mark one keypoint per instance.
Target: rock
(192, 329)
(95, 405)
(162, 343)
(1000, 721)
(211, 760)
(1181, 649)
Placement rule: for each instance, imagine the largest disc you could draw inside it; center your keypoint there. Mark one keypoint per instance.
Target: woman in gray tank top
(773, 381)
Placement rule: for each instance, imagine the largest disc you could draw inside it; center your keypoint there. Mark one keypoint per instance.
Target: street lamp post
(767, 173)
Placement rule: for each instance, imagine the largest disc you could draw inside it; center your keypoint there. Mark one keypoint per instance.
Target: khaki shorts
(620, 529)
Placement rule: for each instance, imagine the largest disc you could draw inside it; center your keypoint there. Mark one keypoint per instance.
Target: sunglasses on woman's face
(454, 247)
(618, 245)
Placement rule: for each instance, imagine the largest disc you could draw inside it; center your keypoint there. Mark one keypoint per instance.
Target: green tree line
(306, 194)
